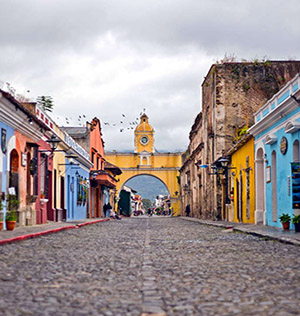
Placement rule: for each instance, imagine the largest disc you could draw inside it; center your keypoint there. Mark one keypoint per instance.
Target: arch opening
(142, 193)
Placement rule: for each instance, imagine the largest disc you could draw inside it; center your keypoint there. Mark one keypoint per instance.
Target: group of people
(159, 211)
(109, 212)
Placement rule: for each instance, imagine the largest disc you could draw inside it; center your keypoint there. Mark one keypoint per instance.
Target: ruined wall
(231, 94)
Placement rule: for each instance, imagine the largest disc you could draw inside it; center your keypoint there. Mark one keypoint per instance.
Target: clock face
(144, 140)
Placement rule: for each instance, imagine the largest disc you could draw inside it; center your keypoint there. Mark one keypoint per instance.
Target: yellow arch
(144, 160)
(164, 166)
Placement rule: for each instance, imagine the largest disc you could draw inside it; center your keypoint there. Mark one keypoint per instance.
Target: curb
(50, 231)
(93, 222)
(244, 230)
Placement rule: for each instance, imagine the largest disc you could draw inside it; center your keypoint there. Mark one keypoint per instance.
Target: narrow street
(157, 265)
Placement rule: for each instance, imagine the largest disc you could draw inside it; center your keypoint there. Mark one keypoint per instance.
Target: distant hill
(147, 186)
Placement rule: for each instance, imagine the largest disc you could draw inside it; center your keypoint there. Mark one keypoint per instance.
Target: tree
(147, 203)
(45, 102)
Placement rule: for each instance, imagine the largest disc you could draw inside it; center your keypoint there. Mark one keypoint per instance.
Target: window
(296, 151)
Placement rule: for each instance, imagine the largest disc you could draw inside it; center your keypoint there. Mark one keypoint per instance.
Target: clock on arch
(144, 140)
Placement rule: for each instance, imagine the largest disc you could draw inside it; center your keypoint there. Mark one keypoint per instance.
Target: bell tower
(144, 136)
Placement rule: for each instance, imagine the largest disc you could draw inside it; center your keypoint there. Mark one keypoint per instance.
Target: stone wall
(231, 94)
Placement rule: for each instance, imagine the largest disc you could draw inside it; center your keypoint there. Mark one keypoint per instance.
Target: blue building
(77, 170)
(277, 156)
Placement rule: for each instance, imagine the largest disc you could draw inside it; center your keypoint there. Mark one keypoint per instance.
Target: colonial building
(231, 94)
(277, 155)
(241, 182)
(21, 135)
(102, 176)
(64, 172)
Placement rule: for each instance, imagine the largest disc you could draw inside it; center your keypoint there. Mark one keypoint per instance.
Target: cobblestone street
(161, 266)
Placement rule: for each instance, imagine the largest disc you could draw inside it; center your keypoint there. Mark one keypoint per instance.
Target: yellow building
(145, 161)
(242, 190)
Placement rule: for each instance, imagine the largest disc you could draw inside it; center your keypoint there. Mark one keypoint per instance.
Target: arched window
(14, 169)
(296, 151)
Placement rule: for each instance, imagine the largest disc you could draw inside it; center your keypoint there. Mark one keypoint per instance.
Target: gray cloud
(103, 58)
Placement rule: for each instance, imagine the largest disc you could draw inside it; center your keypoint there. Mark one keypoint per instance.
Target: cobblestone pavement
(141, 266)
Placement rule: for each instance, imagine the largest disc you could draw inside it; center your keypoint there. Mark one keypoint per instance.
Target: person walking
(108, 210)
(188, 210)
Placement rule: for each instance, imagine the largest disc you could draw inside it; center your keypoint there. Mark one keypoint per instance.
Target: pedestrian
(188, 210)
(108, 209)
(105, 209)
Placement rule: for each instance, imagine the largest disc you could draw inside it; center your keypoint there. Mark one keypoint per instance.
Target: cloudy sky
(106, 58)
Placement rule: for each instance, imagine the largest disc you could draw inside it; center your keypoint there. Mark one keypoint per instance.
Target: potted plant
(10, 220)
(11, 212)
(296, 222)
(79, 199)
(285, 220)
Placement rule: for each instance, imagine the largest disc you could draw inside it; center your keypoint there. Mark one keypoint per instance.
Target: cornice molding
(18, 120)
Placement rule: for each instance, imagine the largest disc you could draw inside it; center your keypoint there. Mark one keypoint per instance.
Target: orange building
(102, 175)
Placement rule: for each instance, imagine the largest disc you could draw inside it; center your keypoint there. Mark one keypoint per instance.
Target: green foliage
(285, 218)
(11, 216)
(246, 86)
(255, 62)
(296, 219)
(241, 132)
(45, 102)
(147, 203)
(12, 202)
(267, 63)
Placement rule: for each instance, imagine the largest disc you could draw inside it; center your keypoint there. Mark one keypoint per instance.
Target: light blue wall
(9, 134)
(74, 211)
(105, 191)
(283, 170)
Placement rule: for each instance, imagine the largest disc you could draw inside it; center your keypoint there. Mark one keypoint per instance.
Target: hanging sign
(24, 160)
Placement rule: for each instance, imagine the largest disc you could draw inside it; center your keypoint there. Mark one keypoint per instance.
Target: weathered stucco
(231, 94)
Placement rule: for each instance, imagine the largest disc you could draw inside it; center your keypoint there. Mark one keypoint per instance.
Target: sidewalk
(21, 233)
(288, 237)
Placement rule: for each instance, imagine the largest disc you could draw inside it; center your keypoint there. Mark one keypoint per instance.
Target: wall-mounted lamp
(224, 161)
(30, 120)
(70, 156)
(53, 142)
(94, 174)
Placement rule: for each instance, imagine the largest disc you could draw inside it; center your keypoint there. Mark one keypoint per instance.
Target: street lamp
(53, 142)
(221, 166)
(224, 161)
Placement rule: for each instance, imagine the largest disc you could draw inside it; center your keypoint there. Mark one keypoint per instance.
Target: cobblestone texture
(137, 266)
